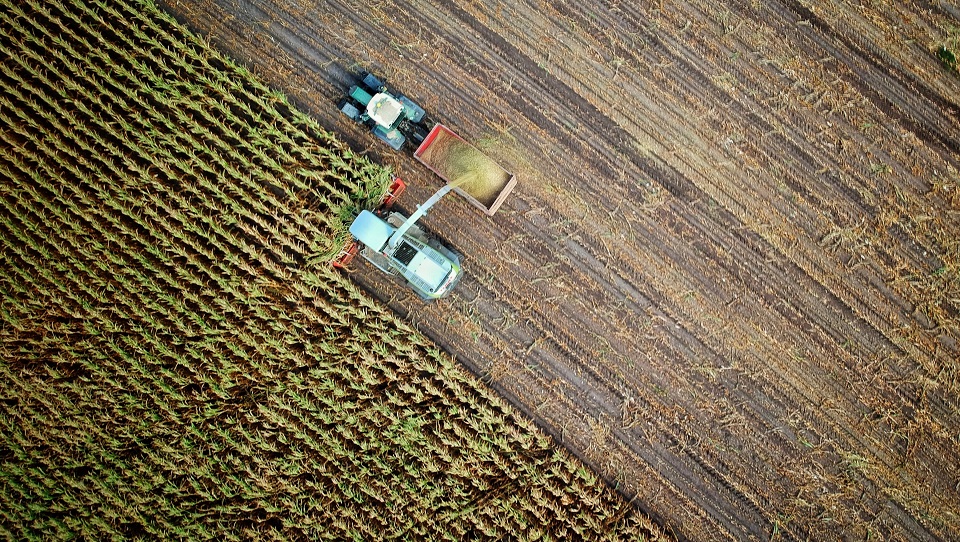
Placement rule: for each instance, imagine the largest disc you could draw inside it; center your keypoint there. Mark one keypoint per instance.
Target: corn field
(178, 359)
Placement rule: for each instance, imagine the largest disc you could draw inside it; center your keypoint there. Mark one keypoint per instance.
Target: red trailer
(475, 176)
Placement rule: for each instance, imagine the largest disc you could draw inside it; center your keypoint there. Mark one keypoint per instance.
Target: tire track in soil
(744, 400)
(841, 186)
(861, 312)
(913, 113)
(680, 337)
(573, 351)
(756, 264)
(857, 308)
(700, 470)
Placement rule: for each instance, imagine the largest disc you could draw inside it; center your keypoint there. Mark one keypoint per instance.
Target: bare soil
(729, 275)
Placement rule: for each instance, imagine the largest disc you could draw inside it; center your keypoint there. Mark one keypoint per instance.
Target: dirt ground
(729, 275)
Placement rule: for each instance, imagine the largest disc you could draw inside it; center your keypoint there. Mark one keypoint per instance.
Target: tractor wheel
(349, 109)
(416, 133)
(371, 82)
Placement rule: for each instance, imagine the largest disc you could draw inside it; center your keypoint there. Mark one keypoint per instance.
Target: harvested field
(729, 276)
(178, 360)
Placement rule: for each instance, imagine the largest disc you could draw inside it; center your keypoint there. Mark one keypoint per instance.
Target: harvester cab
(395, 119)
(396, 245)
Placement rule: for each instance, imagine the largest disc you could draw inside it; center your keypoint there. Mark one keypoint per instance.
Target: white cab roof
(384, 109)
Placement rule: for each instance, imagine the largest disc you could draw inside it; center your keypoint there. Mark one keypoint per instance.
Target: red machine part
(393, 193)
(346, 255)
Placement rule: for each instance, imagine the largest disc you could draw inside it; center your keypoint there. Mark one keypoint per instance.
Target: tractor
(394, 119)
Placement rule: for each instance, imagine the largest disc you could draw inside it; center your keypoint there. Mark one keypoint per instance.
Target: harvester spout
(422, 210)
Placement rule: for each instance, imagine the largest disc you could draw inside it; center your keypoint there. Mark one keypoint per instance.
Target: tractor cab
(391, 118)
(385, 110)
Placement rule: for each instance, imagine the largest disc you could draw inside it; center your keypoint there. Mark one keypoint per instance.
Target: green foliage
(947, 57)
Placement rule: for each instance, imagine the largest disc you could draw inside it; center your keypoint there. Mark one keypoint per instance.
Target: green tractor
(394, 119)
